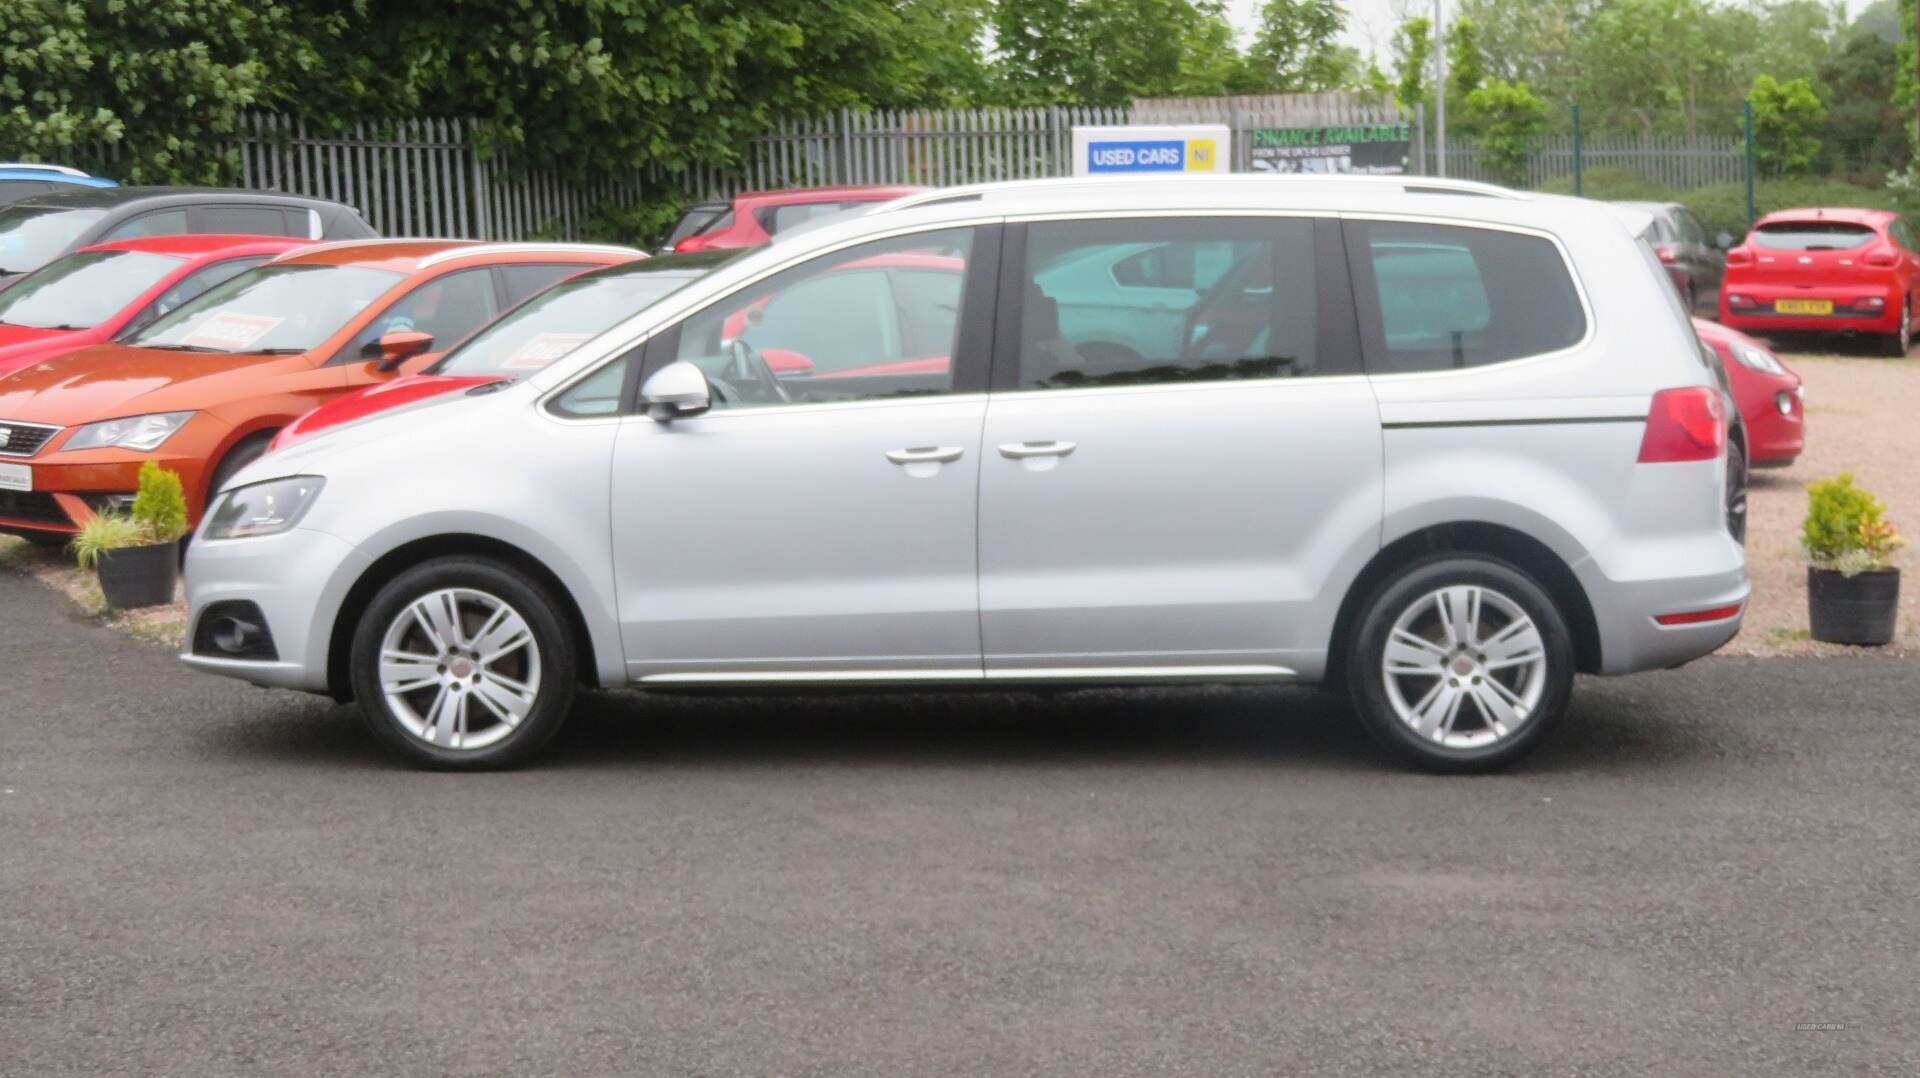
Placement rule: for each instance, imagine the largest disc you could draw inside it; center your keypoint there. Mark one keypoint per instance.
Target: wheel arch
(406, 556)
(1496, 541)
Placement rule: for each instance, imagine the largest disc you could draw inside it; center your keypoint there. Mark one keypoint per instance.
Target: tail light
(1739, 256)
(1689, 423)
(1735, 299)
(1883, 257)
(1667, 252)
(1870, 303)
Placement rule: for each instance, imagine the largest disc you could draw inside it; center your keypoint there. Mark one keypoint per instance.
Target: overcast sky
(1370, 23)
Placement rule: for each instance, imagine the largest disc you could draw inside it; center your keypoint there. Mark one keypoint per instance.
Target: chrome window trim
(1256, 671)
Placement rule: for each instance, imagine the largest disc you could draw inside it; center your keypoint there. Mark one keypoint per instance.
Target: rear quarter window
(1448, 297)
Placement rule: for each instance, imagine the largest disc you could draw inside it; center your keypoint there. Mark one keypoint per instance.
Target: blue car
(21, 180)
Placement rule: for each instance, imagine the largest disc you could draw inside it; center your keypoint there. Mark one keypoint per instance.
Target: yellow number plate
(1803, 306)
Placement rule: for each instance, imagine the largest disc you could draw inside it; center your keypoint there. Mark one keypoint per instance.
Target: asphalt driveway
(1711, 871)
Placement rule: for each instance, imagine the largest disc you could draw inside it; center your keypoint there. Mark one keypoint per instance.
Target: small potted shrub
(1853, 588)
(138, 555)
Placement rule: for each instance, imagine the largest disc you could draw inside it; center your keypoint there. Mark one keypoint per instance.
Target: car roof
(1172, 190)
(204, 243)
(1844, 214)
(121, 197)
(868, 192)
(414, 255)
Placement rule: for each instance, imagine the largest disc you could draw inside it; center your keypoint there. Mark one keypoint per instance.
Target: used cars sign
(1165, 148)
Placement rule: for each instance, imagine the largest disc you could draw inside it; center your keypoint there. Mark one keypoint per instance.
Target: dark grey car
(35, 231)
(1694, 262)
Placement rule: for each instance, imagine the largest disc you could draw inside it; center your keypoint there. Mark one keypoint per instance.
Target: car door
(1187, 512)
(812, 526)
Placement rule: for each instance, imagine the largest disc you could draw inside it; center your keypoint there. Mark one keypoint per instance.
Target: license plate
(1803, 306)
(17, 477)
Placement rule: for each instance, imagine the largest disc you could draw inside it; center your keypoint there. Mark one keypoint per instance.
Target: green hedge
(1723, 207)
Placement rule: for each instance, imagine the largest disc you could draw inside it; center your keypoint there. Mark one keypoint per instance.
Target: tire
(1895, 345)
(464, 711)
(1737, 468)
(1463, 739)
(244, 452)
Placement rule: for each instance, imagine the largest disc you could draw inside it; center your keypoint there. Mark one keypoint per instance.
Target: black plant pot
(1857, 609)
(136, 576)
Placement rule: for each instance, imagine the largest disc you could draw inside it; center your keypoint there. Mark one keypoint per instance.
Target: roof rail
(40, 166)
(1433, 185)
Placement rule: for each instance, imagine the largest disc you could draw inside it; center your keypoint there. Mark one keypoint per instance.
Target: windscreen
(275, 308)
(83, 289)
(555, 322)
(31, 237)
(1812, 235)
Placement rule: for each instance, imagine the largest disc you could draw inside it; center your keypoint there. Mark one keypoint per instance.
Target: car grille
(23, 439)
(32, 508)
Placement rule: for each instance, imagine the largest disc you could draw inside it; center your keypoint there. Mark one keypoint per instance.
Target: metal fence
(1681, 162)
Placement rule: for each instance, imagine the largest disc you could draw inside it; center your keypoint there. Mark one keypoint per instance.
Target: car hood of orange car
(109, 381)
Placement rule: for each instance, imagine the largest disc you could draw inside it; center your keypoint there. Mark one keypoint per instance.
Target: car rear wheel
(1897, 343)
(463, 663)
(1737, 489)
(1460, 664)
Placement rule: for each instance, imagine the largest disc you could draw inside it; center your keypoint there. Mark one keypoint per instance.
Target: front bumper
(298, 580)
(68, 488)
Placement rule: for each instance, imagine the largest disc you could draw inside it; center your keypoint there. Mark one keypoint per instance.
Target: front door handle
(931, 454)
(1023, 450)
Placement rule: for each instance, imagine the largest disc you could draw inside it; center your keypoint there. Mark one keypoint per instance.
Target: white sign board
(1136, 149)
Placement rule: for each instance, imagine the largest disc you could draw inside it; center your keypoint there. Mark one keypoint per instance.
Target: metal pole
(1749, 126)
(1440, 88)
(1579, 186)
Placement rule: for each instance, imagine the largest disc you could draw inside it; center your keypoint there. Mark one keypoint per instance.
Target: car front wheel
(1460, 664)
(463, 663)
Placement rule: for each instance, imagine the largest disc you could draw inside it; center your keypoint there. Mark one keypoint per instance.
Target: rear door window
(1812, 235)
(1446, 297)
(525, 280)
(162, 223)
(245, 220)
(699, 219)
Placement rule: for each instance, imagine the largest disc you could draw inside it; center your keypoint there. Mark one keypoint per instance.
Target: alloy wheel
(459, 668)
(1464, 667)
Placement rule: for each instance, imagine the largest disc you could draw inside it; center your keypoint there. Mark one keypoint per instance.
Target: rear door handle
(1023, 450)
(930, 454)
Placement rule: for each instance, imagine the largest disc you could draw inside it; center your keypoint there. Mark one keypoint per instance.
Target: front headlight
(267, 508)
(142, 432)
(1757, 359)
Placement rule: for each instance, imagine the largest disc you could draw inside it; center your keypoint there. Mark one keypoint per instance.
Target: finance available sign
(1144, 149)
(1378, 149)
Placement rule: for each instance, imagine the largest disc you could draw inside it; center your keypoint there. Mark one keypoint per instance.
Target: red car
(753, 218)
(1769, 396)
(101, 292)
(1824, 271)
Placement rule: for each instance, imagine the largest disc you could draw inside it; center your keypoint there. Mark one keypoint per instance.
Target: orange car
(203, 389)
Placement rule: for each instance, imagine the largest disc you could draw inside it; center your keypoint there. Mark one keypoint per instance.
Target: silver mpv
(1443, 444)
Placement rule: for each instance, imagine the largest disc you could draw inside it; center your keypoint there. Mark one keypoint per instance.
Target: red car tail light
(1685, 424)
(1883, 258)
(1739, 256)
(1667, 253)
(1735, 299)
(1869, 303)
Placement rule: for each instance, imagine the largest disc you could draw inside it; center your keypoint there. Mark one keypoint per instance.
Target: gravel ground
(1860, 419)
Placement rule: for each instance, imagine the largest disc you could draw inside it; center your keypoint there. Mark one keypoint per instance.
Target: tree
(1466, 69)
(1100, 52)
(166, 81)
(1785, 117)
(1866, 132)
(1412, 50)
(1298, 49)
(1509, 120)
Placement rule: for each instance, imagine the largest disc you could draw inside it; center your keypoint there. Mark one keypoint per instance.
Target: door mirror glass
(1723, 241)
(676, 391)
(401, 345)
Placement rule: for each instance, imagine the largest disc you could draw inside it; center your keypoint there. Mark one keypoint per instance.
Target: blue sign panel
(1158, 155)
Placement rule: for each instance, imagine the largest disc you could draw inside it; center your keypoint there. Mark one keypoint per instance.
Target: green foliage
(1723, 207)
(1510, 121)
(164, 80)
(1866, 133)
(1412, 51)
(106, 531)
(1093, 52)
(1297, 49)
(1466, 68)
(1846, 528)
(1785, 117)
(159, 504)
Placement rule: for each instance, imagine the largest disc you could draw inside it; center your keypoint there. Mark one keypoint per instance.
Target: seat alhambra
(1442, 449)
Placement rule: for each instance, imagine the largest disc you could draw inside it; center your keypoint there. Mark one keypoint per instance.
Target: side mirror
(676, 391)
(1723, 241)
(399, 346)
(786, 362)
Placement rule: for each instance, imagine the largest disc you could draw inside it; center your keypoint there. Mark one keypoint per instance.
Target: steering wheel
(747, 372)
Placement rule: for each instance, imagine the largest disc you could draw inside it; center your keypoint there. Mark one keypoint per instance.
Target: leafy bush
(1846, 528)
(160, 505)
(1785, 117)
(1509, 120)
(107, 531)
(1723, 207)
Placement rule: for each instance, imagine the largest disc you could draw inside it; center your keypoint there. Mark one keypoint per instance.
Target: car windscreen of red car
(1813, 235)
